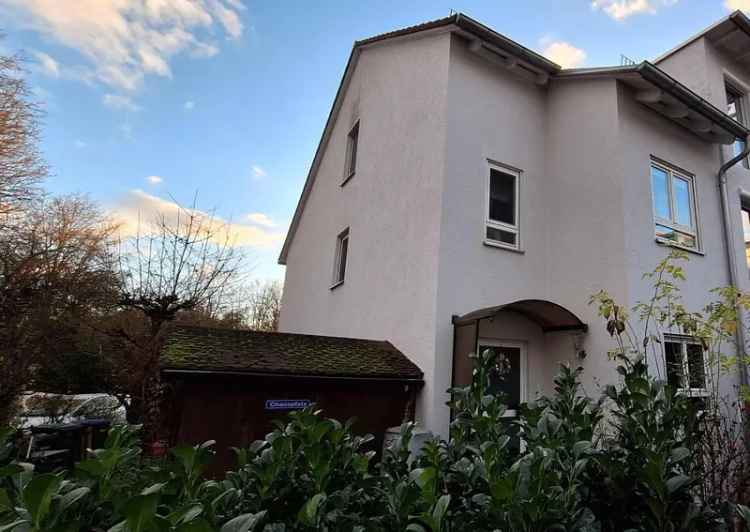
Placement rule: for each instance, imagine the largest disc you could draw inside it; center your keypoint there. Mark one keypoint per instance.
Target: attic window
(339, 263)
(351, 152)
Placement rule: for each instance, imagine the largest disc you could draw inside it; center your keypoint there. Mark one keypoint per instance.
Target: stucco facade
(434, 112)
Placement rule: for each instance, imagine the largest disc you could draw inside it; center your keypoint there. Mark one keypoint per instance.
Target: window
(351, 152)
(673, 195)
(736, 110)
(686, 366)
(509, 375)
(339, 265)
(746, 232)
(501, 225)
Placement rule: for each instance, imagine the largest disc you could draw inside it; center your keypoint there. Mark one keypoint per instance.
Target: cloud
(47, 64)
(137, 210)
(154, 179)
(258, 218)
(189, 105)
(127, 131)
(734, 5)
(622, 9)
(80, 144)
(122, 41)
(563, 53)
(118, 101)
(258, 172)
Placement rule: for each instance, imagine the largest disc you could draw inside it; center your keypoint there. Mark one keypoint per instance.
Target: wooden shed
(228, 385)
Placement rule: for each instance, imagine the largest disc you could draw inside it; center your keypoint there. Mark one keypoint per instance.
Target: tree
(56, 273)
(180, 264)
(21, 165)
(264, 306)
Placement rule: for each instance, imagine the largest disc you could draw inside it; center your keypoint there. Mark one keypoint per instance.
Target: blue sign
(287, 404)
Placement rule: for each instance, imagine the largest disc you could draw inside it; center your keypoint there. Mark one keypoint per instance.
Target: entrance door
(511, 377)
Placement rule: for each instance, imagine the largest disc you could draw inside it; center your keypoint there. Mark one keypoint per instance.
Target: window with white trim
(684, 359)
(351, 151)
(736, 110)
(503, 199)
(673, 194)
(339, 263)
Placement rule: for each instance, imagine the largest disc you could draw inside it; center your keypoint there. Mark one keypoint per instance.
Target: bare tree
(180, 264)
(21, 165)
(55, 272)
(262, 313)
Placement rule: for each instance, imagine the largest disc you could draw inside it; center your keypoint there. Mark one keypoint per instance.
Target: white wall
(392, 206)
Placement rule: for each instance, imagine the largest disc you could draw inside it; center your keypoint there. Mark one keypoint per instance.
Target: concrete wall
(391, 205)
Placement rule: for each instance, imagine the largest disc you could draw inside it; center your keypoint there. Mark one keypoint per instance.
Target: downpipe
(731, 256)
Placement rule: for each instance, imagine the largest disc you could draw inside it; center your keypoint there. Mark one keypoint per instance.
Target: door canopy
(551, 317)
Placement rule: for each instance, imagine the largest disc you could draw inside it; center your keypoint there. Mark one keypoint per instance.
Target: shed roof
(215, 350)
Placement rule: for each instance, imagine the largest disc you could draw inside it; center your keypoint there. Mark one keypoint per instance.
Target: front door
(510, 379)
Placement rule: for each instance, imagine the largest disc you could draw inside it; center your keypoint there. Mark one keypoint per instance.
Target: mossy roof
(241, 351)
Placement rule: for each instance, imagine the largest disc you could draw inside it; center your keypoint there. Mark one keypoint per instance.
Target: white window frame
(352, 151)
(514, 344)
(515, 228)
(743, 114)
(342, 237)
(684, 341)
(672, 173)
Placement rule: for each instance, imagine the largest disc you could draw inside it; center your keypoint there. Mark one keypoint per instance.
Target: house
(469, 193)
(229, 385)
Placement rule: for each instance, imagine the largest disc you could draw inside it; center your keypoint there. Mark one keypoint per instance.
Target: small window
(736, 110)
(501, 225)
(686, 365)
(351, 152)
(746, 233)
(673, 194)
(339, 265)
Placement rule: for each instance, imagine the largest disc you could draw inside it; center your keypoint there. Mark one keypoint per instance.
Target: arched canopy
(549, 316)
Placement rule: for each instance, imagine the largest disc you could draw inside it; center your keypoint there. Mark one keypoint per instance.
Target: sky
(152, 103)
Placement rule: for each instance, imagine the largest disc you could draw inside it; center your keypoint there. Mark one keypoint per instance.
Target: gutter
(405, 380)
(731, 258)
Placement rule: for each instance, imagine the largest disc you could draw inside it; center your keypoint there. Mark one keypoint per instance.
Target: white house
(468, 192)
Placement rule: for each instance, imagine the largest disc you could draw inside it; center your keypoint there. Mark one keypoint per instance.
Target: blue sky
(152, 101)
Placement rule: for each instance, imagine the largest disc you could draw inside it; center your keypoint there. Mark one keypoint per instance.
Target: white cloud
(258, 218)
(47, 64)
(127, 131)
(118, 101)
(258, 172)
(622, 9)
(122, 41)
(734, 5)
(189, 105)
(154, 179)
(80, 144)
(137, 210)
(563, 53)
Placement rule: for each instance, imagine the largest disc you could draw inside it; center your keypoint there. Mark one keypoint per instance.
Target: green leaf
(37, 496)
(10, 470)
(12, 525)
(308, 514)
(677, 483)
(441, 507)
(196, 525)
(244, 522)
(73, 496)
(140, 511)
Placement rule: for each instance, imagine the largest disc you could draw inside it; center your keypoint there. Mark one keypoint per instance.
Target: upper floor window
(686, 365)
(351, 152)
(503, 195)
(736, 109)
(339, 263)
(673, 195)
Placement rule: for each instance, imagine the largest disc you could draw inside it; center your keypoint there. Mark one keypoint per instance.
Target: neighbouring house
(229, 385)
(468, 193)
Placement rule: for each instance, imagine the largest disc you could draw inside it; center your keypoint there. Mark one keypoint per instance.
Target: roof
(551, 317)
(702, 118)
(215, 350)
(730, 35)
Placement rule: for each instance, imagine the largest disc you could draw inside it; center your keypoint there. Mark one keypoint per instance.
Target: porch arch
(550, 317)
